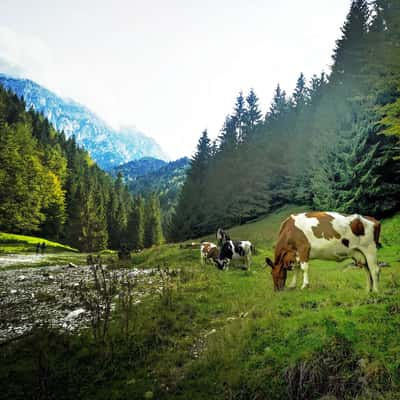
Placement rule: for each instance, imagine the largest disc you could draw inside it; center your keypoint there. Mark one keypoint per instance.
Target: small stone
(383, 264)
(75, 313)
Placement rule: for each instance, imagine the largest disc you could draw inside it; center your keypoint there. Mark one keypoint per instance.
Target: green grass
(213, 335)
(12, 243)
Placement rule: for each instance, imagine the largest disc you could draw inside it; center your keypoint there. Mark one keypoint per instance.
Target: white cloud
(25, 56)
(171, 70)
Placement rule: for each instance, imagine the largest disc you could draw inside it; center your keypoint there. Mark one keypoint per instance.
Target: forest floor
(197, 332)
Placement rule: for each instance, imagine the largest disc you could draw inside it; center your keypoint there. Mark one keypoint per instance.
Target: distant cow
(326, 236)
(208, 251)
(222, 236)
(232, 250)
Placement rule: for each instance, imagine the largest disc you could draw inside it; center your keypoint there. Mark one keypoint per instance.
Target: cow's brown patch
(292, 241)
(292, 246)
(377, 229)
(205, 247)
(213, 253)
(357, 227)
(324, 229)
(345, 242)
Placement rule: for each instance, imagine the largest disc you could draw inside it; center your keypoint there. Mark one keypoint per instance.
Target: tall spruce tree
(348, 57)
(253, 114)
(152, 227)
(278, 106)
(135, 226)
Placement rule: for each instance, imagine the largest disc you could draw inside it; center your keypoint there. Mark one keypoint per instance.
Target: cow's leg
(295, 275)
(369, 277)
(304, 267)
(372, 265)
(202, 258)
(248, 260)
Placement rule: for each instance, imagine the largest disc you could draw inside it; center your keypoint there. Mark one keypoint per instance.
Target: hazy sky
(172, 68)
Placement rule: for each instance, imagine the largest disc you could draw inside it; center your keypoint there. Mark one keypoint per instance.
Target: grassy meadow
(13, 243)
(207, 334)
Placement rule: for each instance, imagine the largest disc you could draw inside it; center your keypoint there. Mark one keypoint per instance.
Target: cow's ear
(269, 262)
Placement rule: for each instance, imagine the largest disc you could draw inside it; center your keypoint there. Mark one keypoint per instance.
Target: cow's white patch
(361, 247)
(333, 248)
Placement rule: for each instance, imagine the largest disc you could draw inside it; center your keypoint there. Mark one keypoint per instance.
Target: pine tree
(350, 49)
(228, 138)
(190, 208)
(253, 114)
(300, 93)
(117, 215)
(135, 226)
(93, 235)
(152, 227)
(278, 106)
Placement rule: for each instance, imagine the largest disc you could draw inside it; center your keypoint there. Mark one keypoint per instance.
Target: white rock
(75, 313)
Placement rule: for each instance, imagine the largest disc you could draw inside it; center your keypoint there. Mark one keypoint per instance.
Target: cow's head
(222, 236)
(221, 262)
(280, 267)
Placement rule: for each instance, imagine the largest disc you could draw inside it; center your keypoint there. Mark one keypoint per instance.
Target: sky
(170, 68)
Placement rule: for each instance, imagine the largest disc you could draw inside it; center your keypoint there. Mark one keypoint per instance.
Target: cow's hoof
(291, 287)
(305, 286)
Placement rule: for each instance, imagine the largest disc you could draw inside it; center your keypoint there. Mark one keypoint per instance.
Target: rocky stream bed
(52, 295)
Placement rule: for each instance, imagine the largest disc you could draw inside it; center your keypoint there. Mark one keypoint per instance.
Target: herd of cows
(303, 237)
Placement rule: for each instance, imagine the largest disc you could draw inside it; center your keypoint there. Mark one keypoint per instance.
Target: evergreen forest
(50, 187)
(332, 144)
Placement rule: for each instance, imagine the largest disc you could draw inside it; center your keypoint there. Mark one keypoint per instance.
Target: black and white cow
(232, 250)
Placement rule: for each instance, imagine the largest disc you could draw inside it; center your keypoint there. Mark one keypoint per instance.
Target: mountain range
(107, 146)
(151, 175)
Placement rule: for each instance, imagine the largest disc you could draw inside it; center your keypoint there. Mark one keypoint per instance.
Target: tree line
(332, 144)
(49, 186)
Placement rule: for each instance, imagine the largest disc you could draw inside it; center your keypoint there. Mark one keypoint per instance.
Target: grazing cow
(232, 250)
(208, 251)
(326, 236)
(222, 236)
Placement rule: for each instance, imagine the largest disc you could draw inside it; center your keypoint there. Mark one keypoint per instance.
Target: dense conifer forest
(331, 144)
(51, 187)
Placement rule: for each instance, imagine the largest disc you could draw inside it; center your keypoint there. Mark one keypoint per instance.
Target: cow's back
(332, 235)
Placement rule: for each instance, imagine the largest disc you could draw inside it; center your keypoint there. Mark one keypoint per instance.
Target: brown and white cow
(326, 236)
(208, 251)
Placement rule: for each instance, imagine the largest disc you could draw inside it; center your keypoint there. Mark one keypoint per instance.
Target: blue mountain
(108, 147)
(150, 175)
